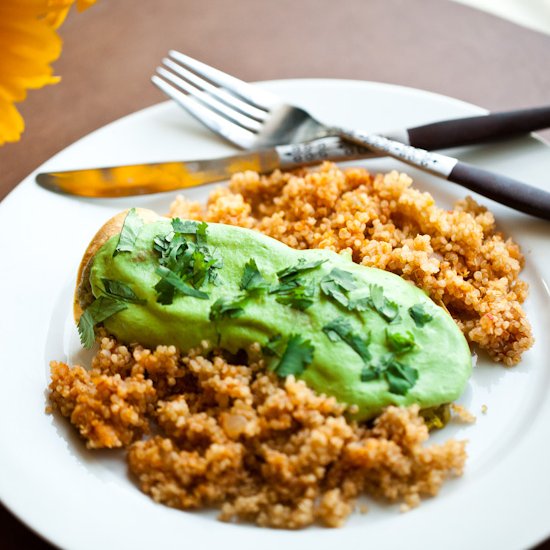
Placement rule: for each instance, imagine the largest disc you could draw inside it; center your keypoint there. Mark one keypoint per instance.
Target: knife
(140, 179)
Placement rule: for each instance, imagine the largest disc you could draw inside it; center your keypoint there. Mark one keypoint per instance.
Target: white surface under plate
(82, 499)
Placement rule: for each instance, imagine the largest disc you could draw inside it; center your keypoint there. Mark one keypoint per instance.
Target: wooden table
(111, 50)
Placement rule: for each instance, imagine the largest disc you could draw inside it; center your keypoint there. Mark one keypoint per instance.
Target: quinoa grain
(457, 256)
(237, 437)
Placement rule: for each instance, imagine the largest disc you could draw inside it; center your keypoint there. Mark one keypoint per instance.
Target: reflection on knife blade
(141, 179)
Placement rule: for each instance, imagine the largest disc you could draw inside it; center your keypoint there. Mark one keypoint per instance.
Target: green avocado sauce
(363, 335)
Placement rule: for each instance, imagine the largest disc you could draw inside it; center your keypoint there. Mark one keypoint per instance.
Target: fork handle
(513, 193)
(473, 130)
(508, 191)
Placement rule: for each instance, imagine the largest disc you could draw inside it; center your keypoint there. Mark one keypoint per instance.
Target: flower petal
(56, 17)
(11, 122)
(28, 46)
(84, 4)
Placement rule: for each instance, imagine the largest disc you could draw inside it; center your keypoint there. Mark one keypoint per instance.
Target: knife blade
(141, 179)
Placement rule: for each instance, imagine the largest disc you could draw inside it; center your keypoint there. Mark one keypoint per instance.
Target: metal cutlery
(252, 118)
(138, 179)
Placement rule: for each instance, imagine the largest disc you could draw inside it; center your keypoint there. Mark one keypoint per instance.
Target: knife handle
(477, 129)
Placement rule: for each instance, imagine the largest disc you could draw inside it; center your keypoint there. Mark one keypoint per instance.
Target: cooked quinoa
(232, 435)
(457, 256)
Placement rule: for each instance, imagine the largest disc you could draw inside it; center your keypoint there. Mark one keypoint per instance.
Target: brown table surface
(111, 50)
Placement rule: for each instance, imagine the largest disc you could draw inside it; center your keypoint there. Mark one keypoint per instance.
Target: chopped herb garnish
(201, 234)
(227, 308)
(190, 261)
(291, 273)
(337, 285)
(170, 283)
(187, 227)
(252, 279)
(97, 312)
(295, 295)
(170, 248)
(296, 357)
(331, 289)
(272, 347)
(369, 373)
(419, 315)
(121, 291)
(291, 290)
(386, 308)
(400, 342)
(341, 329)
(202, 265)
(400, 378)
(165, 292)
(344, 279)
(130, 230)
(361, 303)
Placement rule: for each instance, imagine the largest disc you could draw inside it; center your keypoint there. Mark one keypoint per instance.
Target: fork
(253, 118)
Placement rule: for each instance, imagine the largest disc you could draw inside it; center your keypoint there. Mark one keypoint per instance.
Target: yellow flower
(58, 10)
(28, 45)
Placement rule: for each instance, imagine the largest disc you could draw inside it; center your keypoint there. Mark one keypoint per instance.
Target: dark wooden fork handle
(478, 129)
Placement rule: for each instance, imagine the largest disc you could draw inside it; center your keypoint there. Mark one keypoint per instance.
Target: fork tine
(259, 98)
(220, 93)
(219, 125)
(209, 101)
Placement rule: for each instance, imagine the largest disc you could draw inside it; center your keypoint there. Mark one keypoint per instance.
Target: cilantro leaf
(330, 288)
(419, 315)
(344, 279)
(296, 357)
(361, 303)
(252, 279)
(337, 329)
(170, 283)
(85, 327)
(291, 290)
(171, 248)
(165, 292)
(341, 329)
(295, 295)
(369, 373)
(97, 312)
(201, 234)
(294, 271)
(130, 230)
(202, 268)
(226, 308)
(121, 291)
(386, 308)
(272, 346)
(191, 261)
(178, 254)
(401, 378)
(400, 342)
(188, 227)
(337, 285)
(191, 227)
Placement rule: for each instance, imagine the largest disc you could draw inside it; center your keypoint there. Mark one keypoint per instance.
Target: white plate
(84, 500)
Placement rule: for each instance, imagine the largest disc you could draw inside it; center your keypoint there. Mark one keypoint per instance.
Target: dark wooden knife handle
(479, 129)
(508, 191)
